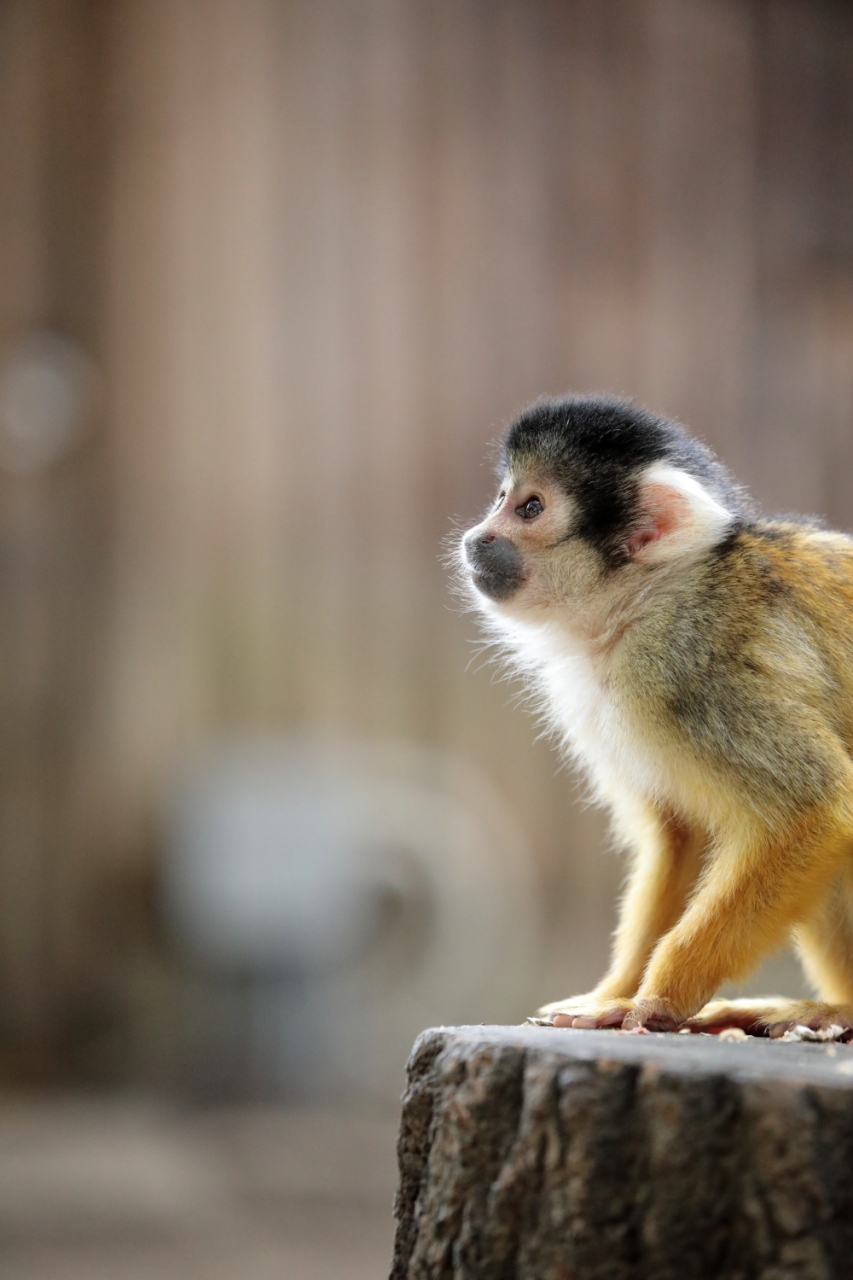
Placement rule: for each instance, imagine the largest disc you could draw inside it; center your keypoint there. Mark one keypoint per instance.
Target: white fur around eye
(687, 519)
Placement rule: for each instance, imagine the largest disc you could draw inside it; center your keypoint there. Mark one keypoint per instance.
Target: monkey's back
(807, 573)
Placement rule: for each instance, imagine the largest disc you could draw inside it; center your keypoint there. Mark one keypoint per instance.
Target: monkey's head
(596, 495)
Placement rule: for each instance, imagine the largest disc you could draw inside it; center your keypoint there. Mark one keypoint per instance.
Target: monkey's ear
(679, 517)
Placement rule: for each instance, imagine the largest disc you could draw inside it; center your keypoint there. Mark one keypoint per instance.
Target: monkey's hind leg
(773, 1016)
(825, 944)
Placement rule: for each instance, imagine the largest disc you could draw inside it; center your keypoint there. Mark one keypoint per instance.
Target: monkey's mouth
(497, 568)
(496, 587)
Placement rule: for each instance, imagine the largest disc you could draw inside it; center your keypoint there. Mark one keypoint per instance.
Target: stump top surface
(751, 1059)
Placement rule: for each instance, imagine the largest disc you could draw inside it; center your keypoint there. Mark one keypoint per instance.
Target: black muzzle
(496, 565)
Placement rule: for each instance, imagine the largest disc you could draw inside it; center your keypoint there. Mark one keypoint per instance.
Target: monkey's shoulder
(768, 613)
(791, 557)
(783, 587)
(772, 571)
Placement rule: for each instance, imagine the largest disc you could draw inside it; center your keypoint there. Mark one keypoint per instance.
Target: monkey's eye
(530, 509)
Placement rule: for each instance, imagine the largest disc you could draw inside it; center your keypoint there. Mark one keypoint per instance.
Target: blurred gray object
(48, 394)
(353, 893)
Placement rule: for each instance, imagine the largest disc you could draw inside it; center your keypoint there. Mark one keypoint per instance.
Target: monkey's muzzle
(496, 565)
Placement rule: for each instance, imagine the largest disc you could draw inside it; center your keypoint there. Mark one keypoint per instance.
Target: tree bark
(528, 1153)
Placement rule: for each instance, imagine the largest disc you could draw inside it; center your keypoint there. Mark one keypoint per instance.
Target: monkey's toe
(776, 1017)
(809, 1020)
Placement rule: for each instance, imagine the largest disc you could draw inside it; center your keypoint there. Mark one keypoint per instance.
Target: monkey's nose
(496, 565)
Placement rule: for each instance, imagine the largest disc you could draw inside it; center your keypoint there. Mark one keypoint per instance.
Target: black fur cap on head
(595, 448)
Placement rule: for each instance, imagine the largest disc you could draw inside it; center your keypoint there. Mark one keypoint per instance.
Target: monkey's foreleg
(753, 892)
(664, 868)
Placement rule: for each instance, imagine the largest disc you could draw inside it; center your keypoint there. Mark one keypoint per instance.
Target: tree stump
(530, 1153)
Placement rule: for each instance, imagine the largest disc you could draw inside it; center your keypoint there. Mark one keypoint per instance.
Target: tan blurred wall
(322, 252)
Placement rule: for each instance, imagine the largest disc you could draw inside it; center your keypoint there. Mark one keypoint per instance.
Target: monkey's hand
(596, 1011)
(593, 1004)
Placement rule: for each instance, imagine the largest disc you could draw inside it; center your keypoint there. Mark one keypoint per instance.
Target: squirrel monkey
(696, 658)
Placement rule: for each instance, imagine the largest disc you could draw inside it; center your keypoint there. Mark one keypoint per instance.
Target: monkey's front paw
(561, 1013)
(591, 1012)
(603, 1013)
(571, 1007)
(653, 1013)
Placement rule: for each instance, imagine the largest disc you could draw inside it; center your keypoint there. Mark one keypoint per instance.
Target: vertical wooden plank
(53, 524)
(156, 675)
(803, 79)
(828, 374)
(831, 373)
(23, 630)
(324, 431)
(22, 148)
(230, 406)
(697, 298)
(791, 83)
(596, 77)
(387, 406)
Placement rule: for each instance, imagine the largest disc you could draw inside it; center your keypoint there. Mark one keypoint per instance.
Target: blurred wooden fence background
(321, 251)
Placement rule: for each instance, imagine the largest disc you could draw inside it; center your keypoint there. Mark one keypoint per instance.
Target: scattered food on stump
(546, 1154)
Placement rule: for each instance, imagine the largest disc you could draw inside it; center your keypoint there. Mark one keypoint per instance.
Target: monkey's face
(538, 558)
(599, 500)
(525, 556)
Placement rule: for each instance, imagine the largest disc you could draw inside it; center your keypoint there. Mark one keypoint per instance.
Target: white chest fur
(593, 719)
